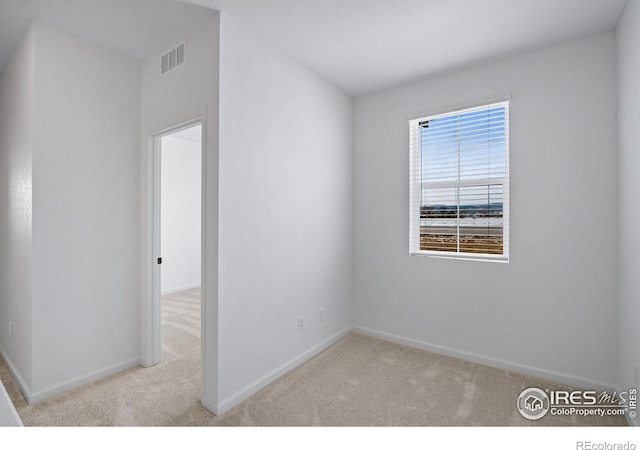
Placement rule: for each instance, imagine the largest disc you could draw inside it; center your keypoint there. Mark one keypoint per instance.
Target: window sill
(464, 256)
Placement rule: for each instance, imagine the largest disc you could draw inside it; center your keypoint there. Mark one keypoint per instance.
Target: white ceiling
(364, 46)
(361, 46)
(137, 28)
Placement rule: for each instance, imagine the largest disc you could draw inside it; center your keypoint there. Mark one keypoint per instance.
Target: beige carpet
(180, 323)
(359, 381)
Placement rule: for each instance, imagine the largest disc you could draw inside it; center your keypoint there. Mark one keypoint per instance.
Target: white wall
(628, 39)
(285, 212)
(69, 127)
(8, 415)
(16, 151)
(187, 92)
(85, 212)
(552, 310)
(180, 213)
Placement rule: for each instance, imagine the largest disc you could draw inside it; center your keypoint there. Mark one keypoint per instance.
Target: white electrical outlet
(301, 323)
(10, 328)
(321, 314)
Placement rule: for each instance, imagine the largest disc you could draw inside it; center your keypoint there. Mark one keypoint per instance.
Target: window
(459, 177)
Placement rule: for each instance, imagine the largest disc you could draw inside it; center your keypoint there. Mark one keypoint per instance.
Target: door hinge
(159, 260)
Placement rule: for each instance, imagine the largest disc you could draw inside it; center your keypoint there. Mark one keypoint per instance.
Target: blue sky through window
(464, 147)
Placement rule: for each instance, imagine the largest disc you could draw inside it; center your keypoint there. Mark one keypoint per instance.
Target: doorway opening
(179, 242)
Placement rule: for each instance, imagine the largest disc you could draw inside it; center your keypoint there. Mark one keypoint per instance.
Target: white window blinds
(459, 175)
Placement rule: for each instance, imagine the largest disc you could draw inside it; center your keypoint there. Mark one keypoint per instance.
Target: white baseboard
(179, 289)
(8, 414)
(558, 377)
(22, 385)
(210, 406)
(66, 386)
(243, 394)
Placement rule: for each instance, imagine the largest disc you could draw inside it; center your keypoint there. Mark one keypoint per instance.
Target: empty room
(338, 213)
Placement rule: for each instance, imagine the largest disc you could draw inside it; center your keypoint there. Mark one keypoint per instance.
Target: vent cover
(172, 59)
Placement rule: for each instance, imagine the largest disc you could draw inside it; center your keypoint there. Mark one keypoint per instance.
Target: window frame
(416, 183)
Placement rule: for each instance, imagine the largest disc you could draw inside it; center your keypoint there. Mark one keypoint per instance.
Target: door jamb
(151, 345)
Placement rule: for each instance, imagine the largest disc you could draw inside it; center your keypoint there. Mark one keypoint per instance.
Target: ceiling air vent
(172, 59)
